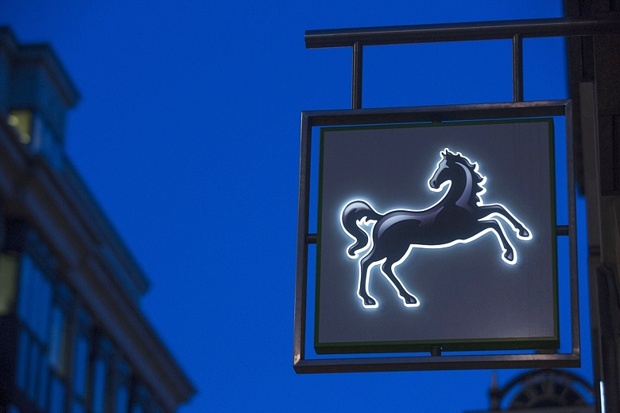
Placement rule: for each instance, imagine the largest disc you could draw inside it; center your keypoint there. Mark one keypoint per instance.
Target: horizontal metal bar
(434, 113)
(460, 32)
(352, 365)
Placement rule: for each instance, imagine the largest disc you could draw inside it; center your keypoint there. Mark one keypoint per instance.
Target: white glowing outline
(371, 222)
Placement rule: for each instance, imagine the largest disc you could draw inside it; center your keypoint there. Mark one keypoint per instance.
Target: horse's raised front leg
(387, 268)
(502, 211)
(509, 255)
(362, 290)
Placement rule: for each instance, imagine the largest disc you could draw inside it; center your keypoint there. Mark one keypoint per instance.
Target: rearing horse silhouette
(459, 217)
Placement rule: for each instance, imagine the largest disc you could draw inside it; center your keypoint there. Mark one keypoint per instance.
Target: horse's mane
(472, 167)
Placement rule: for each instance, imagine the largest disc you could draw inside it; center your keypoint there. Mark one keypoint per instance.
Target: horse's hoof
(370, 302)
(524, 233)
(410, 301)
(509, 256)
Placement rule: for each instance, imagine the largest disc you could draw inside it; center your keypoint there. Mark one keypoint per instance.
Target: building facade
(72, 335)
(594, 88)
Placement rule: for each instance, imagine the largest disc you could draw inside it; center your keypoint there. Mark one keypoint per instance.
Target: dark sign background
(470, 298)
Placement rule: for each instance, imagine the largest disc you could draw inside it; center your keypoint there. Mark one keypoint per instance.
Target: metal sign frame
(435, 360)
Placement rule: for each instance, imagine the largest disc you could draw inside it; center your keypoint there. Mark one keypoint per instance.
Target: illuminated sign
(460, 216)
(437, 238)
(436, 234)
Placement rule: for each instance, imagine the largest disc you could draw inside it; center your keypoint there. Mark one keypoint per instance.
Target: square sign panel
(432, 231)
(437, 235)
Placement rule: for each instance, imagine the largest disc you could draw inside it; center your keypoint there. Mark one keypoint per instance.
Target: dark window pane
(43, 381)
(81, 366)
(42, 308)
(8, 282)
(99, 385)
(137, 408)
(122, 399)
(13, 409)
(77, 407)
(25, 289)
(33, 371)
(123, 383)
(22, 359)
(57, 396)
(35, 294)
(58, 341)
(141, 401)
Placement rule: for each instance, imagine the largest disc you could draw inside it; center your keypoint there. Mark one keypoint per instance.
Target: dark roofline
(43, 55)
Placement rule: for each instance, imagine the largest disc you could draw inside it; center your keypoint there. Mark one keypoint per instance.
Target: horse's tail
(355, 213)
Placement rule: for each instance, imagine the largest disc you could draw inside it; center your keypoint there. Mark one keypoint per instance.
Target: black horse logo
(459, 217)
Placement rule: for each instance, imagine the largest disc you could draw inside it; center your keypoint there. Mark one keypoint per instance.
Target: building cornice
(42, 55)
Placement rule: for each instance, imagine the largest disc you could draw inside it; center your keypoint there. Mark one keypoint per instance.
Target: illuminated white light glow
(359, 213)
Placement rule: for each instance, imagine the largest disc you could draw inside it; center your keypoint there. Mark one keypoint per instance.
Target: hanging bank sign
(431, 236)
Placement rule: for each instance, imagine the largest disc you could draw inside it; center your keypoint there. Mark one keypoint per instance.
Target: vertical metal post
(517, 68)
(356, 85)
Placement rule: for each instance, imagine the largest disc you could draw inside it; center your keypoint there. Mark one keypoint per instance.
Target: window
(81, 363)
(99, 385)
(35, 297)
(123, 385)
(57, 396)
(100, 374)
(59, 351)
(8, 282)
(122, 399)
(58, 341)
(43, 352)
(80, 366)
(22, 359)
(64, 362)
(140, 399)
(21, 120)
(34, 132)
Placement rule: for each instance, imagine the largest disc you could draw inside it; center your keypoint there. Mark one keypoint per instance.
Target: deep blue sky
(188, 134)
